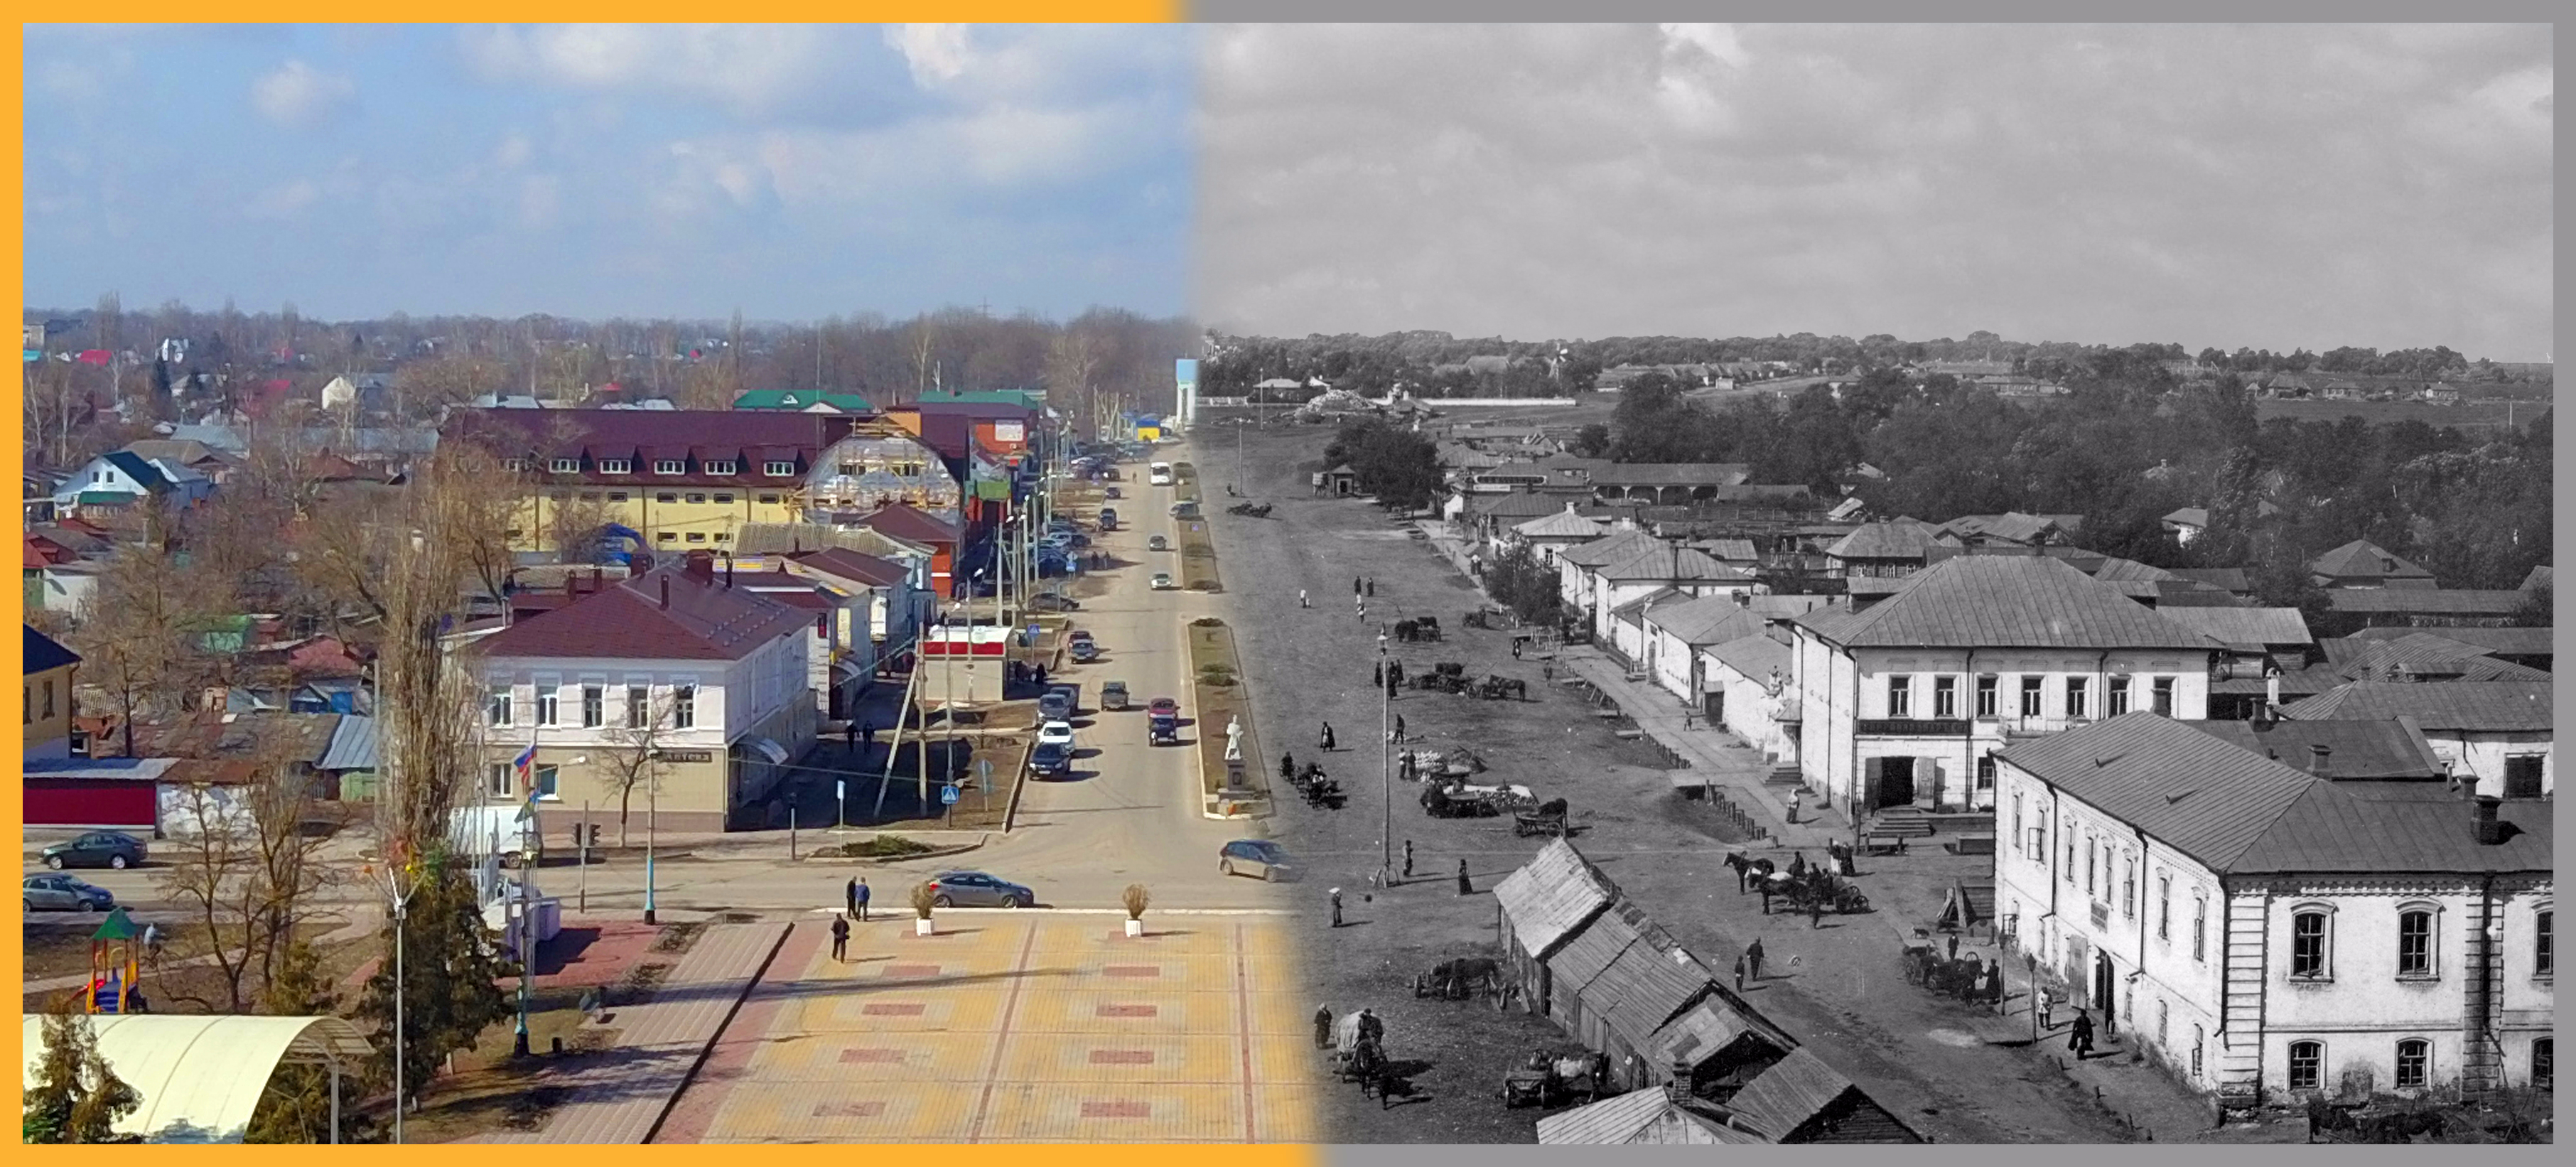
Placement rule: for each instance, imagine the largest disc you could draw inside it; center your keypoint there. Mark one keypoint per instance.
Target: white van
(1158, 474)
(475, 832)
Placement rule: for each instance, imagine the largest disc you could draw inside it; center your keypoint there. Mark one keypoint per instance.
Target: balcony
(1912, 727)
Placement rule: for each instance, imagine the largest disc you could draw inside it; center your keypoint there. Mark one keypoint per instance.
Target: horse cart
(1547, 1079)
(1546, 819)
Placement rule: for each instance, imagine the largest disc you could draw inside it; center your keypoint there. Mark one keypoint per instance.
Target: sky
(2273, 187)
(790, 172)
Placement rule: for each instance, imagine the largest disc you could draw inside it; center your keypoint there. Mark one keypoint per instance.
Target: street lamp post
(400, 898)
(527, 970)
(1385, 772)
(652, 820)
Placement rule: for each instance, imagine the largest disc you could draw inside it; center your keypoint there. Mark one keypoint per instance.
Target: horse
(1742, 867)
(1368, 1068)
(1581, 1074)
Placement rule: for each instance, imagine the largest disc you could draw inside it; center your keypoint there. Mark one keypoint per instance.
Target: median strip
(1216, 675)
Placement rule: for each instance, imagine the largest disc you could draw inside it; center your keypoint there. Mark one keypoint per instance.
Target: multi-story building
(2501, 733)
(1904, 703)
(2264, 932)
(673, 689)
(682, 479)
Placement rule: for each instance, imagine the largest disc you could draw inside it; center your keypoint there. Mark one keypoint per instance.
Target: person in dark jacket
(841, 938)
(2079, 1036)
(1323, 1026)
(850, 898)
(1337, 907)
(1408, 858)
(1464, 887)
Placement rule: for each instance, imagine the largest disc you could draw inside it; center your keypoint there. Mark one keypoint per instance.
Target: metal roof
(2354, 749)
(353, 745)
(2243, 626)
(200, 1077)
(1592, 950)
(2363, 559)
(1895, 539)
(1754, 657)
(1564, 524)
(2430, 657)
(2455, 706)
(2004, 601)
(2425, 601)
(1705, 620)
(1781, 1099)
(1673, 563)
(1655, 1116)
(2505, 641)
(1609, 548)
(43, 652)
(1704, 1031)
(1642, 988)
(1550, 897)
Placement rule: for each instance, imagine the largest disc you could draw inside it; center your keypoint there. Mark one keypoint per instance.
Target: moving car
(1158, 543)
(1084, 652)
(1056, 704)
(1109, 492)
(97, 849)
(975, 889)
(1162, 729)
(63, 893)
(1260, 858)
(1049, 760)
(1163, 707)
(1113, 696)
(1162, 581)
(1108, 518)
(1056, 733)
(1052, 602)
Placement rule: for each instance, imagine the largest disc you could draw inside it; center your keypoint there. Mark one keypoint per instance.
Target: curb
(708, 1048)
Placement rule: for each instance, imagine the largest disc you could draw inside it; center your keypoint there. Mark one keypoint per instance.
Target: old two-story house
(878, 467)
(670, 691)
(2264, 933)
(2500, 732)
(2264, 656)
(682, 479)
(1895, 548)
(898, 601)
(1621, 587)
(1548, 535)
(46, 696)
(1905, 702)
(2364, 564)
(841, 660)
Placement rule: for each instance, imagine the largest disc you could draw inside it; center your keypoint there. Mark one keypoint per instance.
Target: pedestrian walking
(868, 735)
(1301, 599)
(1327, 737)
(1815, 911)
(152, 939)
(2080, 1036)
(841, 939)
(850, 899)
(863, 899)
(1399, 727)
(1337, 907)
(1954, 946)
(1464, 887)
(850, 734)
(1408, 858)
(1765, 888)
(1363, 613)
(1753, 957)
(1547, 670)
(1287, 767)
(1355, 585)
(1377, 675)
(1323, 1026)
(1794, 798)
(1372, 586)
(1739, 973)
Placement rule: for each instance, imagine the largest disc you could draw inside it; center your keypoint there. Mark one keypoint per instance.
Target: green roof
(800, 399)
(1019, 397)
(105, 498)
(993, 490)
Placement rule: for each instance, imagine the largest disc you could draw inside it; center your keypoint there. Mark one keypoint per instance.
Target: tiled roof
(2363, 559)
(1754, 657)
(1550, 897)
(44, 652)
(705, 621)
(1895, 539)
(2460, 706)
(1781, 1099)
(2355, 750)
(2003, 601)
(2243, 626)
(2239, 812)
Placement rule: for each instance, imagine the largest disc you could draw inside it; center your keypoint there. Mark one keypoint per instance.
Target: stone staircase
(1902, 822)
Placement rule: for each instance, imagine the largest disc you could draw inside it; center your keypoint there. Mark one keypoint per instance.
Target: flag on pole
(526, 758)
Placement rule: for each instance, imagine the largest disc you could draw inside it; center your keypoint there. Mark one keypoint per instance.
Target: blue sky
(590, 171)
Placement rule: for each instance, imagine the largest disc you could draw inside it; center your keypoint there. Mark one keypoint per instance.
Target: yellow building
(48, 696)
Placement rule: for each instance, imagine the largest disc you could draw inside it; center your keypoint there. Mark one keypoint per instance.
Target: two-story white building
(1547, 535)
(2265, 933)
(2501, 732)
(1620, 589)
(1904, 703)
(673, 689)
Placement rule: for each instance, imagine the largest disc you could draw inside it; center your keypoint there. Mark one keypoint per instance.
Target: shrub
(1135, 899)
(922, 895)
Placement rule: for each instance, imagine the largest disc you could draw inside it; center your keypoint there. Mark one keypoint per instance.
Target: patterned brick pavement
(1018, 1027)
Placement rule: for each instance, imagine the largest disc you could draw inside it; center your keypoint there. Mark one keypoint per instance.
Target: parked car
(1108, 518)
(975, 889)
(1113, 696)
(1078, 635)
(1050, 760)
(1158, 543)
(1162, 581)
(1056, 733)
(63, 893)
(1259, 858)
(97, 849)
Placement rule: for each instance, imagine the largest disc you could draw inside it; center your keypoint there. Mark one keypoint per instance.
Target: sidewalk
(1713, 754)
(619, 1096)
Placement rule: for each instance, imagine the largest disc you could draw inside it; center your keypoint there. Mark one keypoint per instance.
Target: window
(2016, 834)
(2164, 907)
(720, 468)
(670, 466)
(2164, 689)
(2196, 1040)
(516, 464)
(721, 537)
(666, 497)
(724, 500)
(2308, 945)
(697, 536)
(2088, 867)
(684, 706)
(2415, 942)
(1945, 697)
(2115, 697)
(2075, 695)
(2543, 958)
(778, 469)
(2070, 853)
(543, 784)
(2307, 1065)
(513, 533)
(590, 496)
(2164, 1022)
(497, 710)
(49, 697)
(2544, 1063)
(617, 496)
(1986, 773)
(2128, 887)
(2199, 927)
(639, 706)
(2030, 696)
(665, 537)
(565, 466)
(547, 696)
(1900, 696)
(2414, 1063)
(497, 782)
(1985, 696)
(849, 469)
(594, 706)
(616, 466)
(697, 498)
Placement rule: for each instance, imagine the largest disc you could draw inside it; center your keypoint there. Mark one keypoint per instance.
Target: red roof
(905, 521)
(842, 563)
(747, 438)
(44, 552)
(702, 620)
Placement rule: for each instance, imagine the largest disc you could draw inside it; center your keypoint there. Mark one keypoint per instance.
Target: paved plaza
(1018, 1027)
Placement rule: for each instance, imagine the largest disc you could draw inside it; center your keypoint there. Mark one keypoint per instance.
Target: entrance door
(1895, 782)
(2105, 985)
(2522, 776)
(1714, 705)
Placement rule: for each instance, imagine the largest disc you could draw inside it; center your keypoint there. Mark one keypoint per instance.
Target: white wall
(2483, 754)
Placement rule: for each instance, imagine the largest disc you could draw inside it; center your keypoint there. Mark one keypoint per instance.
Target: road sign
(948, 795)
(841, 789)
(984, 770)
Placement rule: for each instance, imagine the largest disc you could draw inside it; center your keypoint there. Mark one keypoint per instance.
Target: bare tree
(1073, 367)
(136, 638)
(634, 752)
(240, 860)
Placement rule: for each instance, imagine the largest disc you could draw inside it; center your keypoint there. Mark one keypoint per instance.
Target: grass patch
(879, 847)
(1221, 698)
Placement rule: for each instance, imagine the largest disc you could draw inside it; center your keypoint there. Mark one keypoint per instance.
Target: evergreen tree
(77, 1098)
(451, 968)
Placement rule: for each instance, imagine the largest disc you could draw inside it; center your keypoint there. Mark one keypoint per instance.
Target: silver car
(1256, 857)
(975, 889)
(64, 893)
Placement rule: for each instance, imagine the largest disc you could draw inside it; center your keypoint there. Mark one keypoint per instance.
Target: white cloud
(297, 94)
(936, 53)
(749, 69)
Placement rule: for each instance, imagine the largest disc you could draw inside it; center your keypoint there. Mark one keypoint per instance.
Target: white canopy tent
(201, 1077)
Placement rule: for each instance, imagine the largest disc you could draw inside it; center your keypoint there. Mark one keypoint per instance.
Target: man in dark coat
(850, 897)
(1328, 737)
(840, 938)
(1753, 958)
(1464, 888)
(2079, 1036)
(1323, 1026)
(1408, 858)
(1337, 907)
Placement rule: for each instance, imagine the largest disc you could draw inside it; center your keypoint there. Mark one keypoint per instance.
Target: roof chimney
(2490, 828)
(666, 593)
(2317, 752)
(1743, 599)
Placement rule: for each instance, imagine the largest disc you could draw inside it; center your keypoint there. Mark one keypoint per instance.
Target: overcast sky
(793, 172)
(2267, 186)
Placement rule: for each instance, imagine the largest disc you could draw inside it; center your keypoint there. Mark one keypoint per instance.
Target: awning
(849, 669)
(776, 753)
(200, 1077)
